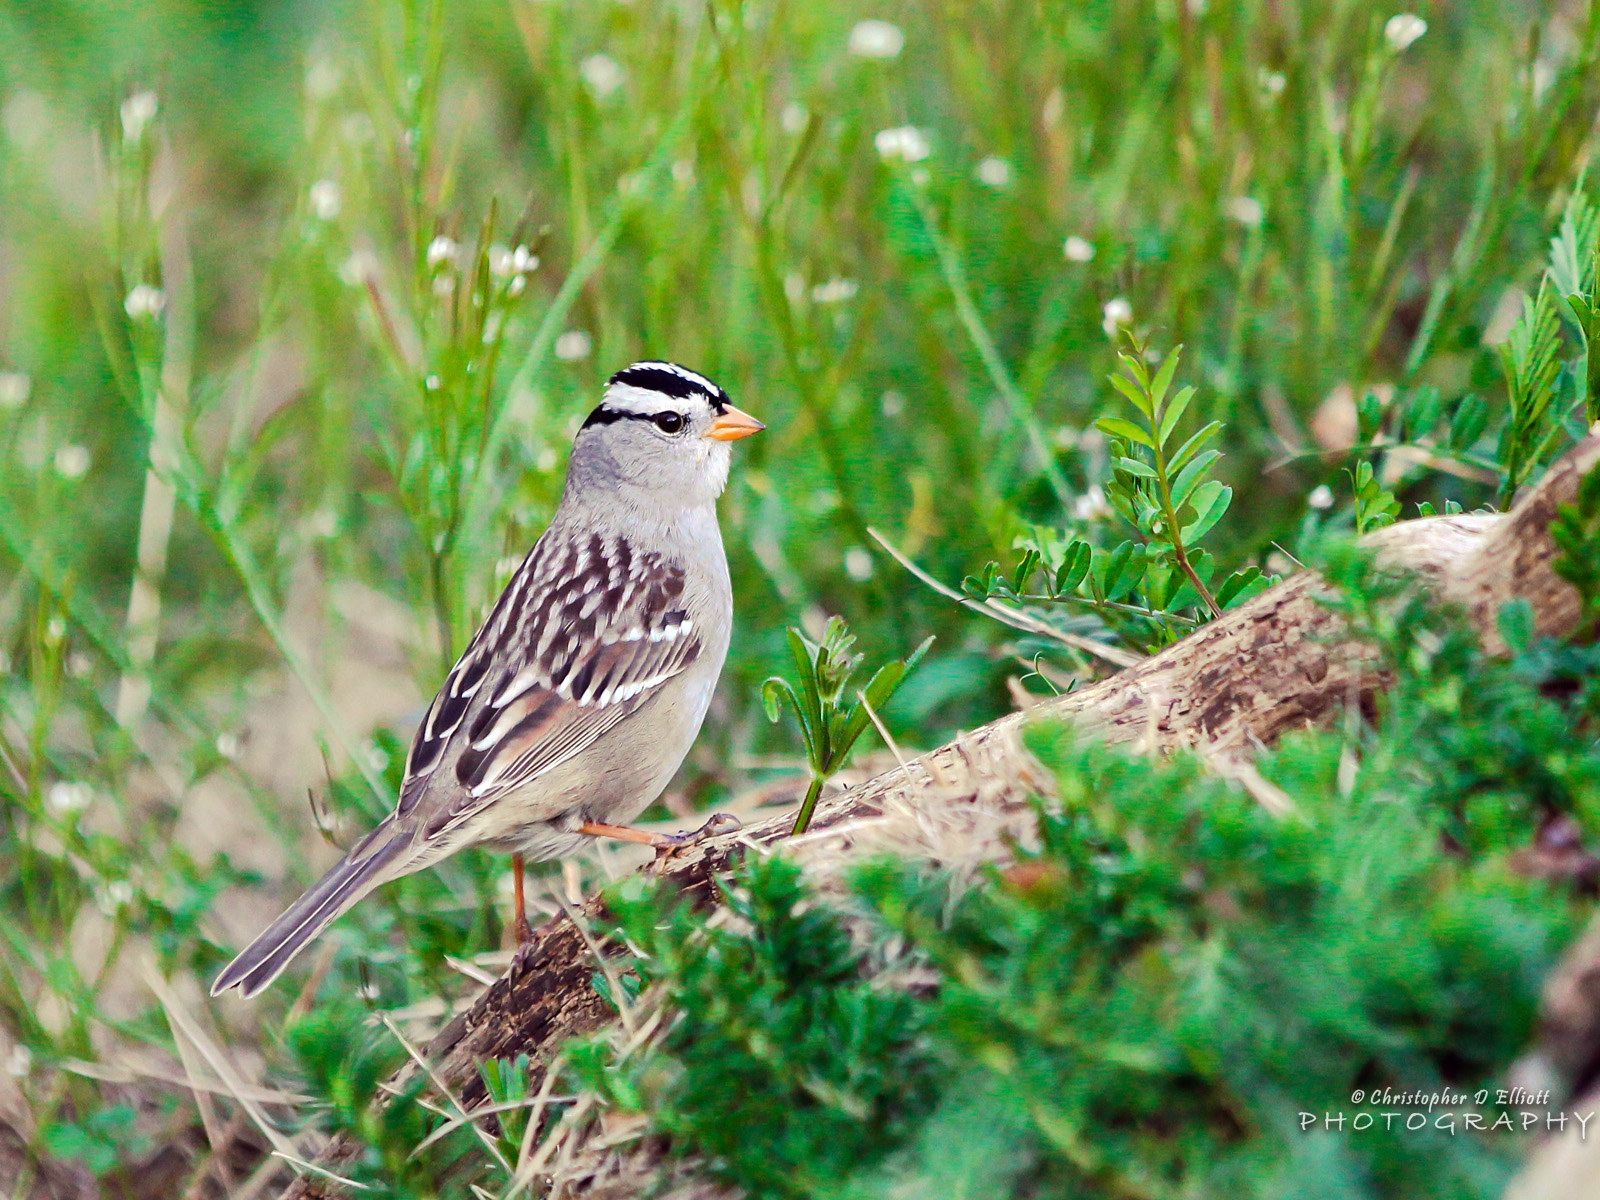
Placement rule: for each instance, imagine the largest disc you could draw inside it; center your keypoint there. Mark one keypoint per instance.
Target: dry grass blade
(187, 1029)
(484, 1110)
(458, 1109)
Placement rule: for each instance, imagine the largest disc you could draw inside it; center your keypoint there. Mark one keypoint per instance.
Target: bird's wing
(584, 633)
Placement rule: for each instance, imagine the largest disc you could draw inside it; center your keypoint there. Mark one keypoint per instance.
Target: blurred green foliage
(300, 305)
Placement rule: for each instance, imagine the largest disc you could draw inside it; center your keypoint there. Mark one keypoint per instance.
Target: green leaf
(773, 691)
(1120, 428)
(1369, 417)
(1025, 569)
(1192, 447)
(1121, 570)
(1242, 586)
(1192, 475)
(1423, 412)
(1074, 566)
(885, 681)
(1468, 422)
(1163, 379)
(1174, 412)
(1133, 467)
(1130, 389)
(1211, 501)
(805, 659)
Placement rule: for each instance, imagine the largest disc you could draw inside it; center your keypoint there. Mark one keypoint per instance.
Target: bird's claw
(668, 844)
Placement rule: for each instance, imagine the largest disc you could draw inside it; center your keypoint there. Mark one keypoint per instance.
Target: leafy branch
(1532, 359)
(1152, 484)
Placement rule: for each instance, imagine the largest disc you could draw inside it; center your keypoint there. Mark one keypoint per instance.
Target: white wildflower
(502, 263)
(603, 74)
(326, 199)
(1321, 496)
(1246, 210)
(1402, 29)
(905, 142)
(793, 118)
(360, 267)
(517, 286)
(1272, 82)
(892, 403)
(117, 894)
(145, 302)
(442, 251)
(835, 291)
(524, 260)
(1116, 314)
(794, 287)
(1077, 249)
(683, 172)
(138, 110)
(19, 1062)
(995, 172)
(876, 39)
(858, 564)
(64, 797)
(55, 629)
(15, 387)
(1091, 506)
(433, 383)
(573, 344)
(229, 745)
(72, 461)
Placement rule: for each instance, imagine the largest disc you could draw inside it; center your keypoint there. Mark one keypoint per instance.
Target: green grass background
(352, 451)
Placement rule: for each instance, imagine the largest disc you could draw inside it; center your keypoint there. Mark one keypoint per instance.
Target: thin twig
(1013, 617)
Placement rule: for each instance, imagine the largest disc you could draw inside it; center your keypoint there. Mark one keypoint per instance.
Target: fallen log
(1282, 661)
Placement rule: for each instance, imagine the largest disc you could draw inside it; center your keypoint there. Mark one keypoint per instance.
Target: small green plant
(1154, 484)
(1574, 272)
(830, 722)
(1152, 589)
(1375, 506)
(1532, 359)
(786, 1066)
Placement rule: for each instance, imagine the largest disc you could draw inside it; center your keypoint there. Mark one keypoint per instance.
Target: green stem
(807, 805)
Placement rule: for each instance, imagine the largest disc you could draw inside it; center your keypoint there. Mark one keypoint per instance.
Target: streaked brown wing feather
(584, 633)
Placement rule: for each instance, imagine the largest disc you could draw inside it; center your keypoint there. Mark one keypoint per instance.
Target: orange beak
(732, 425)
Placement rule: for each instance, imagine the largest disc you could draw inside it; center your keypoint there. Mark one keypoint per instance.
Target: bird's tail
(371, 861)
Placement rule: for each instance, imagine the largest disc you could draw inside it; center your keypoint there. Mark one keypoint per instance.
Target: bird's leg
(663, 843)
(519, 923)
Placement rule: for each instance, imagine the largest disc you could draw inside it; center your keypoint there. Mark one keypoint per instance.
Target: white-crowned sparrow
(578, 698)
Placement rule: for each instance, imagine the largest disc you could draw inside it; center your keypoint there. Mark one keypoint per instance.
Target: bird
(580, 695)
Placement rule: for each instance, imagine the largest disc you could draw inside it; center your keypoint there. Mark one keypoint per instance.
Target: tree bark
(1280, 662)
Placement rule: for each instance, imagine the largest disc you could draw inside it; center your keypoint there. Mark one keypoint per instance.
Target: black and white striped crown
(669, 379)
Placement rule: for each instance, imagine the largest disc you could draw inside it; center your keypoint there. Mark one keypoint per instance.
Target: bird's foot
(668, 844)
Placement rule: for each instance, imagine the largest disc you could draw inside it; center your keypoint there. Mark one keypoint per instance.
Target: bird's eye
(669, 422)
